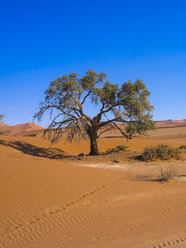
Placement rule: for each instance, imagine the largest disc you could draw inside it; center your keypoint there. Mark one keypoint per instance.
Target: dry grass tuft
(168, 173)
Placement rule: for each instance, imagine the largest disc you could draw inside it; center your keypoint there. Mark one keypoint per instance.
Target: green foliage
(140, 127)
(149, 154)
(117, 148)
(165, 152)
(162, 152)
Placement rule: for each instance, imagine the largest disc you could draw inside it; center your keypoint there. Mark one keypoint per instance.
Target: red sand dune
(169, 123)
(20, 128)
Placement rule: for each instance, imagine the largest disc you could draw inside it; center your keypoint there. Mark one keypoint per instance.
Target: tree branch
(107, 122)
(123, 133)
(104, 131)
(84, 99)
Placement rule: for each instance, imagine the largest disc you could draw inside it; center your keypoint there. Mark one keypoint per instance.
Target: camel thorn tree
(3, 129)
(126, 108)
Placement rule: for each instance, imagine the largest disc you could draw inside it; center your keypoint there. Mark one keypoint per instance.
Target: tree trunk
(93, 143)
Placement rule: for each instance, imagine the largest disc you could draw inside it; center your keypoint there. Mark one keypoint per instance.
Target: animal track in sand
(169, 243)
(63, 208)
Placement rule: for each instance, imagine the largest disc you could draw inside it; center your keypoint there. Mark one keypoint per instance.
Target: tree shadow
(52, 153)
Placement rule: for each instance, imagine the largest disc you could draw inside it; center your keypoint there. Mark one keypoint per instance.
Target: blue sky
(41, 40)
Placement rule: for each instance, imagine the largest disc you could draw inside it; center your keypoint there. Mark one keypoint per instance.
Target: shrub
(81, 154)
(167, 173)
(117, 148)
(176, 153)
(162, 152)
(183, 147)
(122, 147)
(149, 154)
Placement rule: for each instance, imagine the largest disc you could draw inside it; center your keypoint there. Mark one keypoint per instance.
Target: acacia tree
(1, 127)
(68, 97)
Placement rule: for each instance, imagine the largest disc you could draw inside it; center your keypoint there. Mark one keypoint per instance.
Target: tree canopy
(126, 107)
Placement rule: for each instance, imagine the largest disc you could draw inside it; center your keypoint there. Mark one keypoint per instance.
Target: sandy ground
(90, 202)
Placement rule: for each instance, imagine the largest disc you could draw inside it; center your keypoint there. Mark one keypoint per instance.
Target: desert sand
(90, 202)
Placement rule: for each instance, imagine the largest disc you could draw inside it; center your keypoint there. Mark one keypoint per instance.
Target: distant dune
(21, 128)
(2, 125)
(170, 123)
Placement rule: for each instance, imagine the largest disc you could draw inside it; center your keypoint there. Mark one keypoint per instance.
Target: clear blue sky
(41, 40)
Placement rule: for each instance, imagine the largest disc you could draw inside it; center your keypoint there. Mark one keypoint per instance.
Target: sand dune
(19, 128)
(30, 128)
(46, 202)
(169, 123)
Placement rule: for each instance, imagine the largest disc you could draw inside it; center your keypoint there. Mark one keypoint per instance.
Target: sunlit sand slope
(174, 136)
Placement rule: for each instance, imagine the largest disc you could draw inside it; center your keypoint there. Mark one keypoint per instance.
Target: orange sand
(73, 204)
